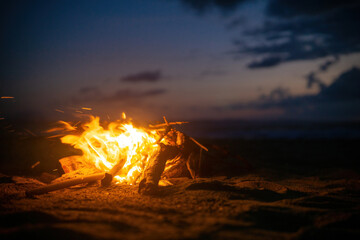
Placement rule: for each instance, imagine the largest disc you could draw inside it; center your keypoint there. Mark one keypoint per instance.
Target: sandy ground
(247, 207)
(278, 200)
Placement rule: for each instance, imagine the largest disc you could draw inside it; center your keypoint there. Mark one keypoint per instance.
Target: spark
(35, 164)
(55, 136)
(65, 127)
(30, 132)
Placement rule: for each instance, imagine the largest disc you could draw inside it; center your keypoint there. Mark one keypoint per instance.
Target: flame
(58, 110)
(104, 147)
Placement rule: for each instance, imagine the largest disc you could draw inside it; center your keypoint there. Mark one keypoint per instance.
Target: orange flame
(104, 147)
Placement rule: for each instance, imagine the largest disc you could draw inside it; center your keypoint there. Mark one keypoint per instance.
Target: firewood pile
(179, 155)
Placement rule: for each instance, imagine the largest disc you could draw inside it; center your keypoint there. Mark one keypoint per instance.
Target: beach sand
(299, 189)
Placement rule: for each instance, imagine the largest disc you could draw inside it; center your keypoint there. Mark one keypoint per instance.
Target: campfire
(121, 153)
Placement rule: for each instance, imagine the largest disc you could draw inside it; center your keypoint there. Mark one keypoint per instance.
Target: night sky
(185, 59)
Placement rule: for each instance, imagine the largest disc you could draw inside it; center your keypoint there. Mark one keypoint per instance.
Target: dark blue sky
(185, 59)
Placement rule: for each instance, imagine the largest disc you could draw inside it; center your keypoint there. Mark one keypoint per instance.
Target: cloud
(345, 87)
(277, 94)
(294, 8)
(304, 30)
(144, 76)
(312, 79)
(293, 30)
(325, 66)
(265, 62)
(94, 94)
(203, 6)
(87, 94)
(339, 100)
(271, 100)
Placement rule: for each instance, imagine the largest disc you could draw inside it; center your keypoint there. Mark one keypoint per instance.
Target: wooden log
(65, 184)
(149, 184)
(177, 145)
(106, 181)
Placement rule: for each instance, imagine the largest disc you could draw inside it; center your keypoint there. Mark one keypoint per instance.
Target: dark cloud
(94, 94)
(340, 100)
(303, 30)
(266, 101)
(313, 79)
(265, 62)
(277, 94)
(87, 94)
(295, 8)
(236, 22)
(203, 6)
(345, 87)
(295, 30)
(325, 66)
(145, 76)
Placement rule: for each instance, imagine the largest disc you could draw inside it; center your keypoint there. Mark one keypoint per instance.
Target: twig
(199, 144)
(164, 124)
(167, 130)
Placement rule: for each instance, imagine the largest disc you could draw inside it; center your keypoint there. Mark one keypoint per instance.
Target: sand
(277, 200)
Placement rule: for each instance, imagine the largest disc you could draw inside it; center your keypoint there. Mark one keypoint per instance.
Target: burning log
(176, 146)
(106, 181)
(65, 184)
(152, 174)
